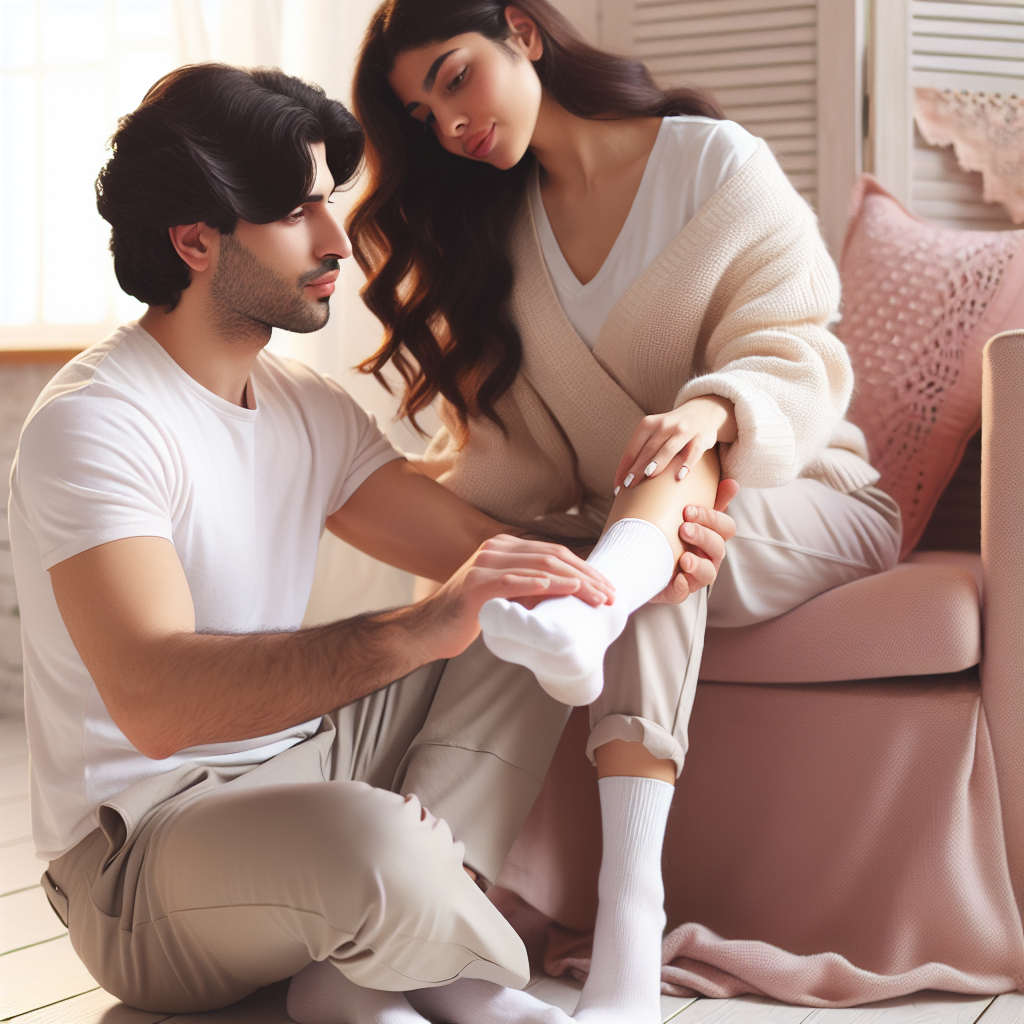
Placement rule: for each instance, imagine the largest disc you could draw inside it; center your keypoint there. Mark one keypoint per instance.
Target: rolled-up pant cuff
(633, 729)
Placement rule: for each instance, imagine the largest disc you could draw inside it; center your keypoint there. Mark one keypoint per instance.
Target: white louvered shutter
(969, 46)
(760, 58)
(941, 44)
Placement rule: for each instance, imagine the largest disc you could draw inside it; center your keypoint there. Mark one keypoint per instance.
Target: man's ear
(196, 244)
(525, 31)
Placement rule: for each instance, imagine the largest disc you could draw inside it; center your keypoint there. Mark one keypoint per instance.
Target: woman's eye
(457, 80)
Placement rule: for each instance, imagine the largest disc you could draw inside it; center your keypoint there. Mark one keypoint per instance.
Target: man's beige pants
(203, 885)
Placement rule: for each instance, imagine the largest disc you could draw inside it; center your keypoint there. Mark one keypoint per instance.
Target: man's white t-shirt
(692, 158)
(123, 443)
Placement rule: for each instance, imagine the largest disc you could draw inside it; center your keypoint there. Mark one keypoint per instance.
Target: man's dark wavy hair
(213, 143)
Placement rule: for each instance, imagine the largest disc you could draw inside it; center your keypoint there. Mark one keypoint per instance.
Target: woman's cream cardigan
(738, 306)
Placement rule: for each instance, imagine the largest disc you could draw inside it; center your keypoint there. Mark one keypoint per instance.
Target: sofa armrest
(1002, 558)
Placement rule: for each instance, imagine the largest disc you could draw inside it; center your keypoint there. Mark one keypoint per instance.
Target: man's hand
(129, 611)
(704, 533)
(512, 568)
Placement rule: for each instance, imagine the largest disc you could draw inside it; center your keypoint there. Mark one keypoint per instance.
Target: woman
(607, 284)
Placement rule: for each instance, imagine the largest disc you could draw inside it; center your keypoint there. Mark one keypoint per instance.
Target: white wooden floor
(42, 981)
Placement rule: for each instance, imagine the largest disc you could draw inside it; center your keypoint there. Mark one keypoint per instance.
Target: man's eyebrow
(428, 82)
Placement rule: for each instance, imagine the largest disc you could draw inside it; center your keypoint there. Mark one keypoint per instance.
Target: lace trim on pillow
(987, 135)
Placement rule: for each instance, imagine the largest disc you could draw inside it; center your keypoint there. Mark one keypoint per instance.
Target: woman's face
(481, 98)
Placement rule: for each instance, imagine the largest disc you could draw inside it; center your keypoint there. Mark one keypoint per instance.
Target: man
(209, 826)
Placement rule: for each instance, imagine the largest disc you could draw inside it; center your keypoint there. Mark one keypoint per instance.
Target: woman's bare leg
(636, 790)
(563, 640)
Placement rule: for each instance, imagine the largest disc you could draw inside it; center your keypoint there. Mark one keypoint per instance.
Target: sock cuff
(640, 805)
(625, 532)
(637, 557)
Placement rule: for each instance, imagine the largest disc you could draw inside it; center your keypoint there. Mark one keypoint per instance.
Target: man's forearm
(197, 683)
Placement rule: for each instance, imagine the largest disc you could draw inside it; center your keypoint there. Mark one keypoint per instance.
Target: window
(69, 67)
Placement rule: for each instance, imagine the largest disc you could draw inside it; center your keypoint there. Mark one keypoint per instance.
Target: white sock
(472, 1001)
(624, 983)
(321, 994)
(562, 641)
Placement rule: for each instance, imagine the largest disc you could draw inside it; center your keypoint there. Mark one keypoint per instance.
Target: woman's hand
(695, 427)
(704, 533)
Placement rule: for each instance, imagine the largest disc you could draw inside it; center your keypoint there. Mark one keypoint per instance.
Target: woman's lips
(479, 149)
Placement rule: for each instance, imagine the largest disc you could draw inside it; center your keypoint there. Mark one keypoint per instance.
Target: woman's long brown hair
(431, 232)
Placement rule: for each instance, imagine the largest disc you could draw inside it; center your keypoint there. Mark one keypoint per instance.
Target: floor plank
(919, 1008)
(96, 1007)
(40, 975)
(19, 866)
(673, 1006)
(14, 779)
(561, 992)
(744, 1010)
(15, 822)
(1005, 1009)
(266, 1006)
(27, 918)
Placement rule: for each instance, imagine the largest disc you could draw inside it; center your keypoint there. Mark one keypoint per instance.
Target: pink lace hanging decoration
(987, 134)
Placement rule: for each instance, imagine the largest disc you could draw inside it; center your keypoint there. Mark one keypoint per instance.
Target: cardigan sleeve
(769, 350)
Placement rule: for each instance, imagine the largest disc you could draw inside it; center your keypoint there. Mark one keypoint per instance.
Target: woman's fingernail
(628, 481)
(682, 472)
(691, 510)
(650, 468)
(615, 493)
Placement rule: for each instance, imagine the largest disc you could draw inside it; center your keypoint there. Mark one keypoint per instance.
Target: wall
(19, 386)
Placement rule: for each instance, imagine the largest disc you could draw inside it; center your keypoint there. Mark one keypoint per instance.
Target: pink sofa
(849, 826)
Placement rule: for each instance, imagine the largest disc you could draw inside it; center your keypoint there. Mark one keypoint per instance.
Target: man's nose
(334, 242)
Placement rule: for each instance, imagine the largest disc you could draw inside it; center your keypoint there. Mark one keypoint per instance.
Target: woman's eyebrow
(428, 82)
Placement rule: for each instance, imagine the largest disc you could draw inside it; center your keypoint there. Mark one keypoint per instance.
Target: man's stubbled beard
(247, 293)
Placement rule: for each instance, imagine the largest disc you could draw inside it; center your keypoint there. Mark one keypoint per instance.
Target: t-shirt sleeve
(355, 437)
(92, 469)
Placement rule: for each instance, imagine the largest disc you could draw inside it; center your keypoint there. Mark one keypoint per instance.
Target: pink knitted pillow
(919, 303)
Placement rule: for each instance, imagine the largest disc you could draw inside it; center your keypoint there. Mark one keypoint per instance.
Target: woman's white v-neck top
(692, 158)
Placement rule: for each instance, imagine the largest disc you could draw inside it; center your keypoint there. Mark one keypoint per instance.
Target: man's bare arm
(402, 517)
(128, 609)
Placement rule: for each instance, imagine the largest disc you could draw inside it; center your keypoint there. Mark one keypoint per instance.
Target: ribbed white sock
(562, 641)
(624, 983)
(321, 994)
(471, 1001)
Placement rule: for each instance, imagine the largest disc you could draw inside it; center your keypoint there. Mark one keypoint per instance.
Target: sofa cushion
(919, 303)
(921, 618)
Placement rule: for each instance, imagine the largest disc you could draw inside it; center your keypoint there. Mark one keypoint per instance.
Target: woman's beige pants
(792, 543)
(203, 885)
